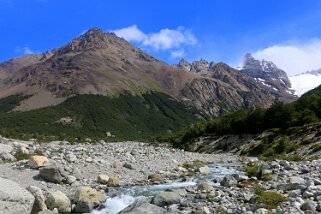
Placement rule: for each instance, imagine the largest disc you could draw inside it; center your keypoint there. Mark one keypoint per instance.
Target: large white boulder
(14, 199)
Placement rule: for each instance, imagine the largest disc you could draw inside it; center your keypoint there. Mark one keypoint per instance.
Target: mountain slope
(244, 125)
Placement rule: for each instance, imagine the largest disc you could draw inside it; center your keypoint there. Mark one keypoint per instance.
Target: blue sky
(218, 30)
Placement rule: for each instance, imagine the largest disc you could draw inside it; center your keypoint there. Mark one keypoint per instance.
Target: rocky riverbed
(59, 177)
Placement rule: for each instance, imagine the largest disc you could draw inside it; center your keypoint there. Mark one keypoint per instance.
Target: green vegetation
(257, 171)
(10, 102)
(127, 117)
(270, 200)
(273, 148)
(19, 155)
(193, 165)
(280, 116)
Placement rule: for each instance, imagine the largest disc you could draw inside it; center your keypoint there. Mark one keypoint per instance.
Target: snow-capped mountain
(269, 75)
(306, 81)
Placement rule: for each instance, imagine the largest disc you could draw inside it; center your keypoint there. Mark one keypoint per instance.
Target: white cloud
(131, 34)
(178, 54)
(294, 59)
(24, 50)
(165, 39)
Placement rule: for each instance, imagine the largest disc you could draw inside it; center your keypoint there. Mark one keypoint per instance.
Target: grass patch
(270, 200)
(19, 155)
(193, 165)
(316, 148)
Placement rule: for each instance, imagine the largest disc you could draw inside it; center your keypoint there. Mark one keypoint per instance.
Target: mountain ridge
(101, 63)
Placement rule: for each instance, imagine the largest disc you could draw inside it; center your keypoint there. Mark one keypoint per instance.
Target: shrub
(271, 200)
(19, 155)
(259, 190)
(253, 171)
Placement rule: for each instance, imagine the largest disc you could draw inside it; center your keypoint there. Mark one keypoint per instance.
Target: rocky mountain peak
(196, 66)
(267, 73)
(94, 38)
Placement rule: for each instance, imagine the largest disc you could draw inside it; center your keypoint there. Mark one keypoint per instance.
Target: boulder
(60, 201)
(296, 183)
(228, 181)
(5, 156)
(46, 212)
(155, 178)
(37, 161)
(204, 170)
(88, 197)
(166, 198)
(205, 186)
(113, 182)
(53, 173)
(309, 206)
(84, 206)
(71, 157)
(103, 179)
(141, 206)
(182, 169)
(262, 211)
(71, 179)
(7, 148)
(40, 201)
(14, 199)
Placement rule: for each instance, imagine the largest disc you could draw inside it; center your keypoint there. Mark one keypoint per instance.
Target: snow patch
(304, 82)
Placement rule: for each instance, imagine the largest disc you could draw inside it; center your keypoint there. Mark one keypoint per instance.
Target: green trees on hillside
(305, 110)
(127, 117)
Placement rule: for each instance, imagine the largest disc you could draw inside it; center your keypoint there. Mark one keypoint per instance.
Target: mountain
(270, 76)
(103, 64)
(94, 63)
(304, 82)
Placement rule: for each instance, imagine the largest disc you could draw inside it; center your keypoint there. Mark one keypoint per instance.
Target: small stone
(204, 170)
(128, 166)
(89, 159)
(24, 150)
(113, 182)
(71, 157)
(71, 179)
(103, 179)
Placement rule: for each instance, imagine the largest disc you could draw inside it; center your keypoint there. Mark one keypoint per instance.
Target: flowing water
(127, 195)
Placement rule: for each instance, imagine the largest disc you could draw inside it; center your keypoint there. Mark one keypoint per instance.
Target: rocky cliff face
(224, 89)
